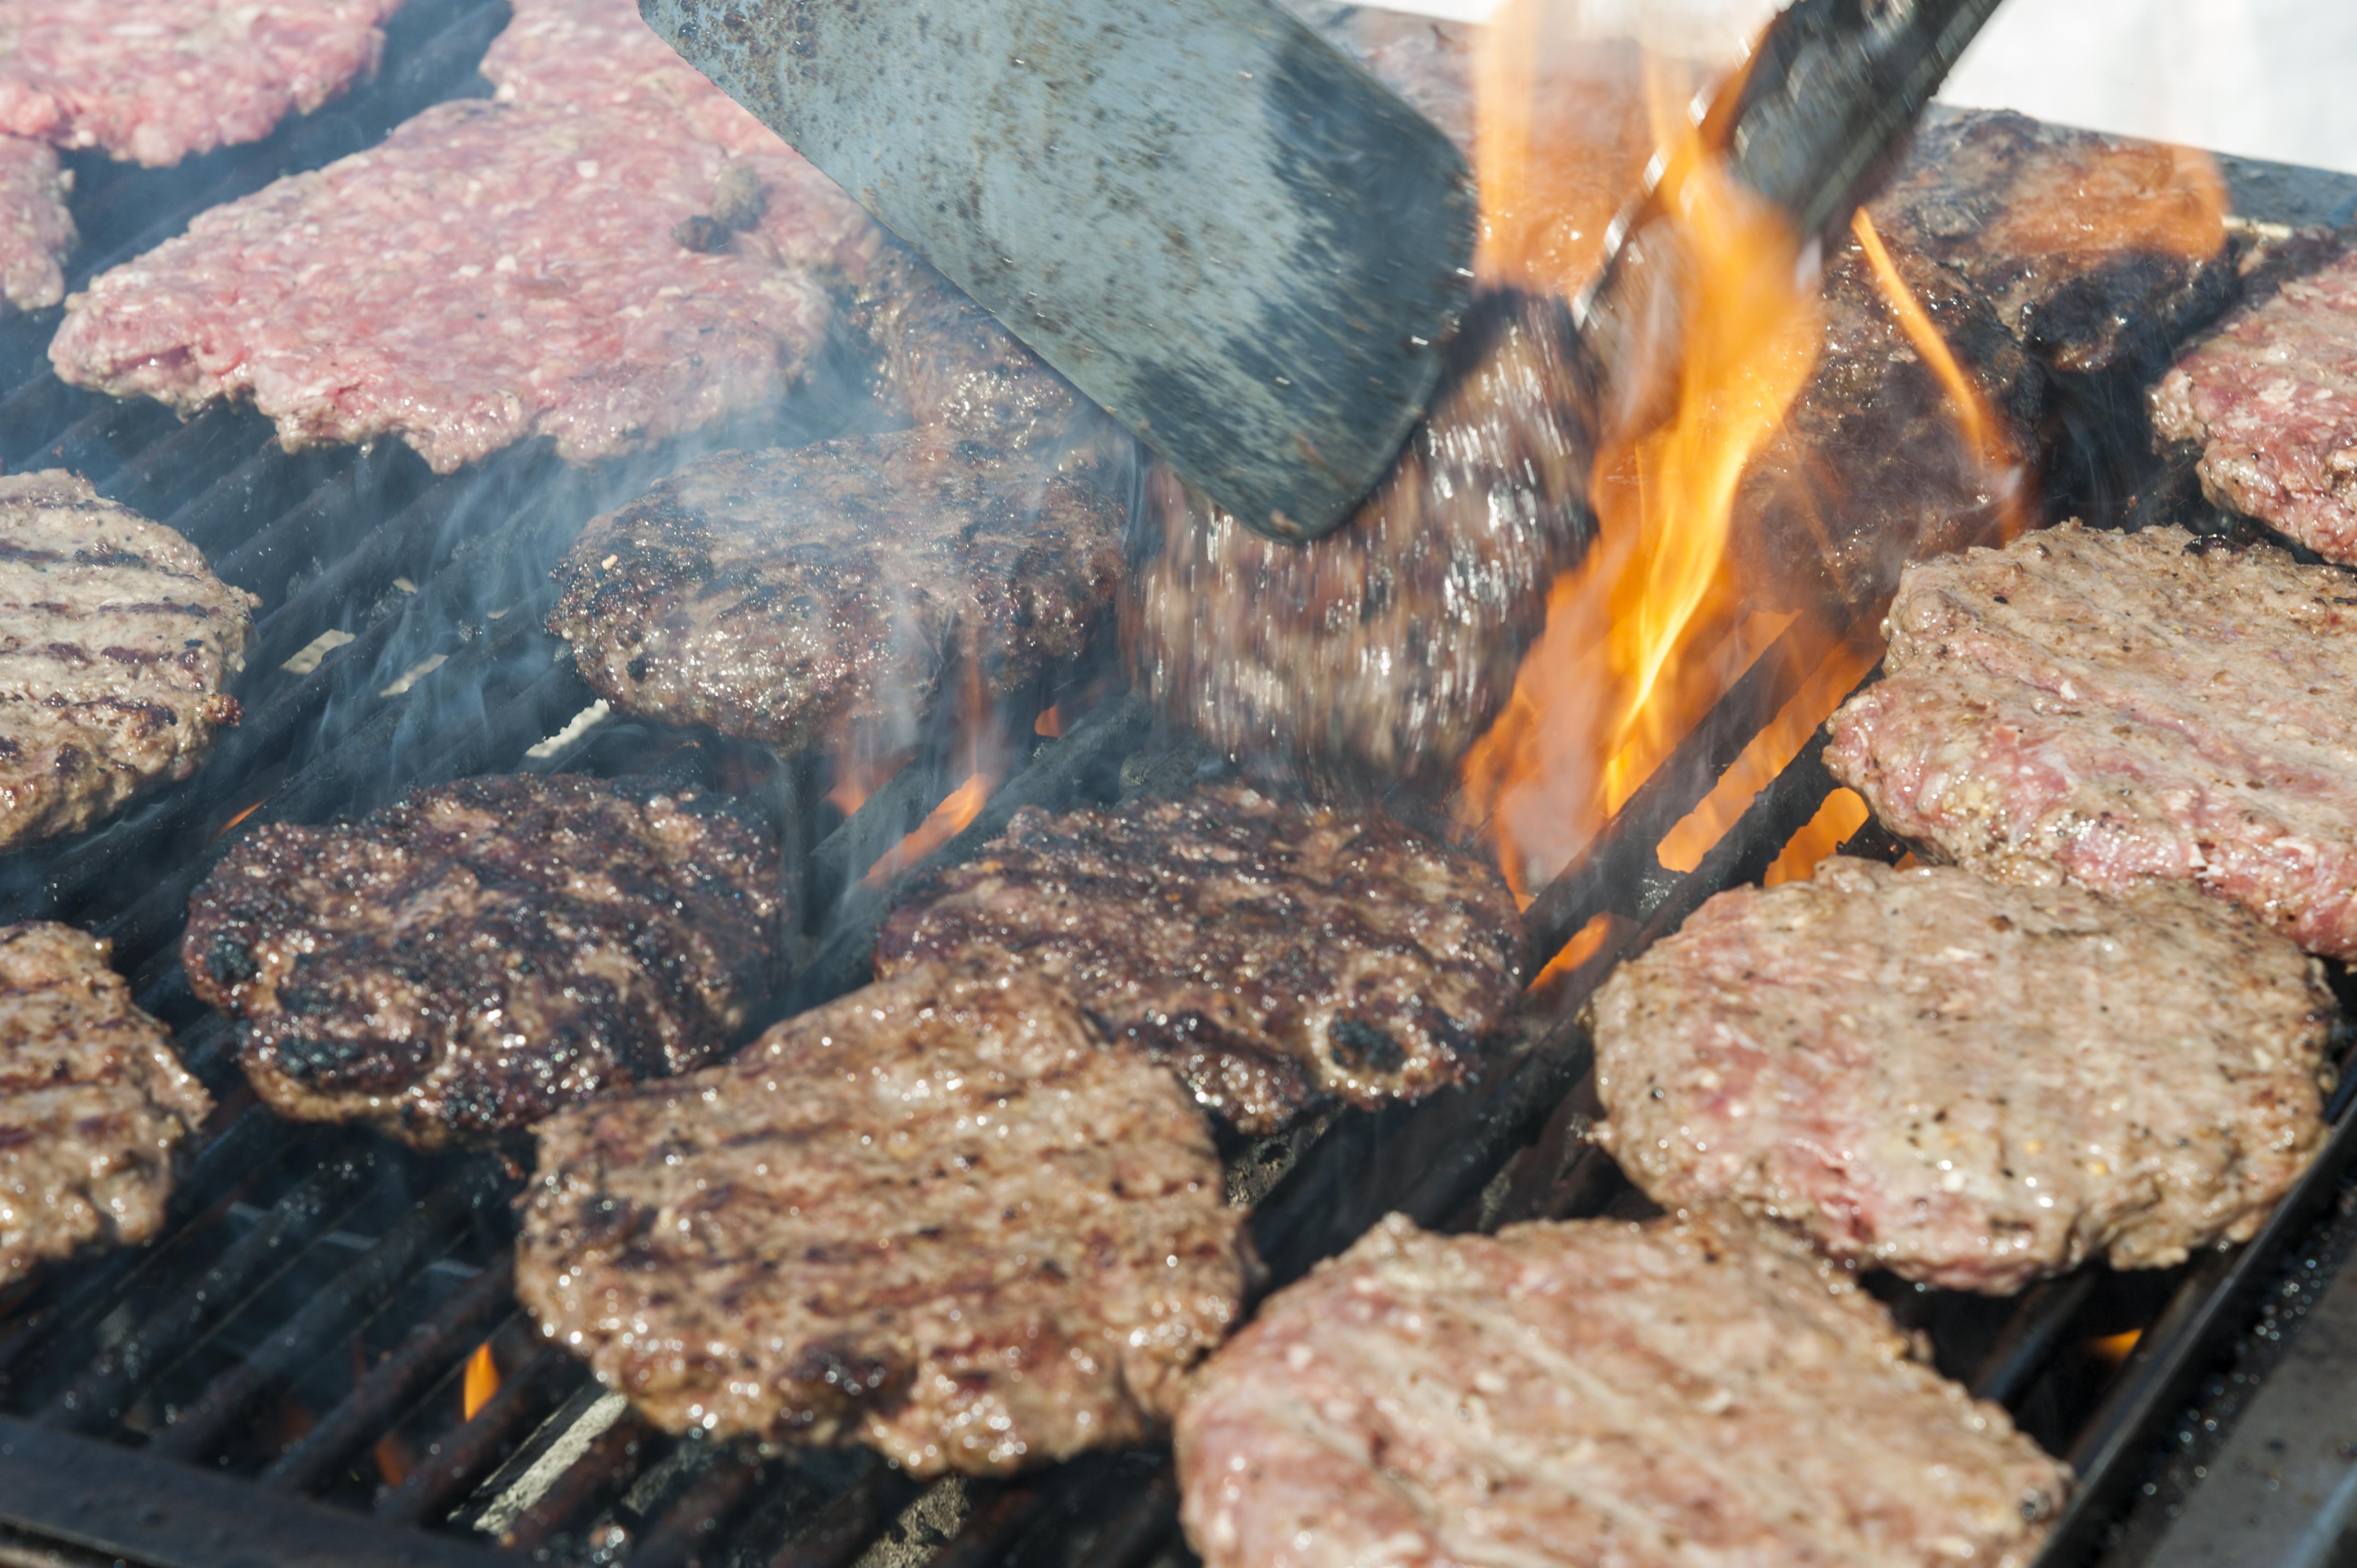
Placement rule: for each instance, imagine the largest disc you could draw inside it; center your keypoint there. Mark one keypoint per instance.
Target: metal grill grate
(280, 1376)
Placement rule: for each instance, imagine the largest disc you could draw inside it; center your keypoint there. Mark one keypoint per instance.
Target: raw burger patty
(36, 230)
(93, 1102)
(1275, 955)
(116, 646)
(940, 1215)
(1392, 642)
(1642, 1396)
(2101, 252)
(2271, 399)
(154, 80)
(781, 594)
(1968, 1084)
(2122, 707)
(468, 960)
(489, 273)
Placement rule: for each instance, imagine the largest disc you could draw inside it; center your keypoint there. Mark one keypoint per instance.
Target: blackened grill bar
(300, 1331)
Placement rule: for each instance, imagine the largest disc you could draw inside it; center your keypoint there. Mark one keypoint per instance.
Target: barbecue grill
(320, 1360)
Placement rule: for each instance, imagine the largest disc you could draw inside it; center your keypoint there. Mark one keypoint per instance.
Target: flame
(1049, 723)
(859, 774)
(1975, 421)
(393, 1459)
(1841, 816)
(2112, 197)
(1585, 944)
(232, 822)
(482, 1380)
(946, 821)
(2114, 1347)
(1640, 636)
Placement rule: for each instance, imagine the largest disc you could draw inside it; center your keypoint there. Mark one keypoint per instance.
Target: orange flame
(1842, 815)
(226, 826)
(1049, 723)
(2115, 1347)
(1638, 636)
(947, 821)
(482, 1380)
(1978, 426)
(2112, 197)
(858, 775)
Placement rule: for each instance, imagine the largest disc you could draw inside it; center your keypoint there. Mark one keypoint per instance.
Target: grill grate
(280, 1375)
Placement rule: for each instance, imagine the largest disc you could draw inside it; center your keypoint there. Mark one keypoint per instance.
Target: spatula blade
(1230, 236)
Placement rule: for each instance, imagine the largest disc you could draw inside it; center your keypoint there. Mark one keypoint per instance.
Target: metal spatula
(1235, 241)
(1226, 233)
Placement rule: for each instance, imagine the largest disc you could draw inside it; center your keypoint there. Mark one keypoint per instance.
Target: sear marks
(2271, 398)
(93, 1102)
(473, 957)
(2101, 252)
(116, 646)
(1968, 1084)
(155, 80)
(1872, 469)
(1593, 1392)
(1392, 642)
(1274, 955)
(2117, 708)
(779, 595)
(37, 231)
(939, 1215)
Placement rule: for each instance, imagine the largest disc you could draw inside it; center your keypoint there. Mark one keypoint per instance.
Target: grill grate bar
(103, 1394)
(481, 1442)
(427, 1351)
(416, 1239)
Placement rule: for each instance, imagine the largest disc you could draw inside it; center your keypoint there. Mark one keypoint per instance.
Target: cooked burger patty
(475, 956)
(488, 274)
(93, 1102)
(949, 365)
(1874, 467)
(940, 1215)
(116, 646)
(2271, 399)
(1968, 1084)
(1644, 1396)
(1275, 955)
(154, 80)
(781, 595)
(1392, 642)
(35, 230)
(2124, 707)
(2101, 252)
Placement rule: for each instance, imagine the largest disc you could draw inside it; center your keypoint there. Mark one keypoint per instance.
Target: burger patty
(489, 273)
(1275, 955)
(480, 953)
(37, 232)
(93, 1102)
(1968, 1084)
(1876, 466)
(2271, 399)
(2101, 252)
(949, 365)
(1391, 643)
(116, 646)
(940, 1215)
(2119, 708)
(154, 80)
(1593, 1393)
(781, 594)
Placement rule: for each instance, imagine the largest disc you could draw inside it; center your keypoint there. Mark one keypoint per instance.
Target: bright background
(2267, 79)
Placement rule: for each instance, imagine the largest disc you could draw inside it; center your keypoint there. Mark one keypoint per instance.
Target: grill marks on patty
(781, 594)
(1968, 1084)
(1274, 955)
(1593, 1393)
(939, 1215)
(116, 643)
(93, 1104)
(472, 958)
(2119, 708)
